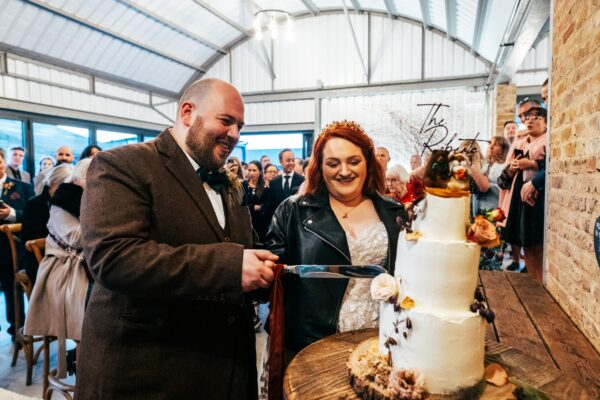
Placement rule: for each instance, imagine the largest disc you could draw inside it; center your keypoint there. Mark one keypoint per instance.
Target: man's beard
(202, 143)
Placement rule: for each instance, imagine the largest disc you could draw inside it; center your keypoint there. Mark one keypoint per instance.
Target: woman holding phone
(525, 219)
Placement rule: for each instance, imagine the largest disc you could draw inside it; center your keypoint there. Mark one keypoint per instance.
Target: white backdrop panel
(394, 120)
(280, 112)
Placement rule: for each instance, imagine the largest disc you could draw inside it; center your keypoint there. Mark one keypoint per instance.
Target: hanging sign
(597, 240)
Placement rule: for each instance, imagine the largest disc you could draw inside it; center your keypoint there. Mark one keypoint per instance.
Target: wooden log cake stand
(319, 371)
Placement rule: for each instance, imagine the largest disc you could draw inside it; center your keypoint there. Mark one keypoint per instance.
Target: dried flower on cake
(384, 287)
(407, 303)
(406, 385)
(483, 232)
(413, 236)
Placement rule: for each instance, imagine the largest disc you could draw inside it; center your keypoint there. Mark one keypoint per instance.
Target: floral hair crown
(342, 124)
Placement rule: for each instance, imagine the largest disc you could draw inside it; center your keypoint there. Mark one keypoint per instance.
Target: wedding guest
(15, 162)
(256, 197)
(46, 163)
(510, 131)
(64, 154)
(58, 299)
(299, 166)
(342, 218)
(289, 182)
(415, 162)
(383, 157)
(525, 219)
(271, 172)
(485, 175)
(264, 161)
(396, 179)
(90, 151)
(13, 197)
(37, 212)
(235, 167)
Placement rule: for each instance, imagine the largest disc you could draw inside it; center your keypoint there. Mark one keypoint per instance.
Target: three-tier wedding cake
(432, 318)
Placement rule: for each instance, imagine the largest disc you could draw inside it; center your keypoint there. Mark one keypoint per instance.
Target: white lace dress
(358, 310)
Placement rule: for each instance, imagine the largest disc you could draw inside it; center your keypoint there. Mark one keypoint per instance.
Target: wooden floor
(528, 319)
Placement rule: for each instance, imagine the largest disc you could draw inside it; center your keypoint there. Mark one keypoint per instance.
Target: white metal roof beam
(482, 6)
(362, 60)
(223, 18)
(543, 32)
(451, 19)
(312, 8)
(83, 22)
(85, 70)
(390, 8)
(425, 13)
(533, 20)
(169, 24)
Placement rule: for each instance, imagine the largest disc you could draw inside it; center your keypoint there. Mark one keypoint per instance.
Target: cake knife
(334, 271)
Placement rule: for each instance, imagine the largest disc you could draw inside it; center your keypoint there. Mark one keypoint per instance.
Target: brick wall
(504, 107)
(572, 274)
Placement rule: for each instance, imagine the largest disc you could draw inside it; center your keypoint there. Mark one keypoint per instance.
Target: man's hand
(528, 193)
(257, 269)
(4, 211)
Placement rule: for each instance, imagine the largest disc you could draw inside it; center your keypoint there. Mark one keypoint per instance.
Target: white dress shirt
(291, 175)
(213, 196)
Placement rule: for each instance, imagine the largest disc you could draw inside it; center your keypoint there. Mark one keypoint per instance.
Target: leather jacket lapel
(183, 172)
(321, 221)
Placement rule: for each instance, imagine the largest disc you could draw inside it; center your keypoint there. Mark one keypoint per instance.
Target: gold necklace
(345, 216)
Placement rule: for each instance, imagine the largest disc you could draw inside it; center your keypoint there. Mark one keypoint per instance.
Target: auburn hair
(352, 132)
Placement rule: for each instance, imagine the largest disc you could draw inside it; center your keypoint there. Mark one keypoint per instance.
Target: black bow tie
(215, 179)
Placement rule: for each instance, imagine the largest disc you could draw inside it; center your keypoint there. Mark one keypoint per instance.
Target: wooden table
(533, 336)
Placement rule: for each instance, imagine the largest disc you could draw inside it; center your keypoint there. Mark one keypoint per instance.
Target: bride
(342, 218)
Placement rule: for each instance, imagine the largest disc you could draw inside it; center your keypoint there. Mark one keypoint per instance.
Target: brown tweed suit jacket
(167, 318)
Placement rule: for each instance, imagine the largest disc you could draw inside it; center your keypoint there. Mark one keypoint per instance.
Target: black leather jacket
(304, 230)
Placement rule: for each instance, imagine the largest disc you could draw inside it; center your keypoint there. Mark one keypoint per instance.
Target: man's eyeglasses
(525, 118)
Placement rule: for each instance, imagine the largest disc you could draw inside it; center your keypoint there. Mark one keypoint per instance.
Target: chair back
(37, 247)
(10, 230)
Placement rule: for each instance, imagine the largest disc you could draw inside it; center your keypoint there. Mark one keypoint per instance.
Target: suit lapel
(179, 165)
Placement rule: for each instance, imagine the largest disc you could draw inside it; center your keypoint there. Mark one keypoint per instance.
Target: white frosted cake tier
(446, 348)
(443, 218)
(440, 274)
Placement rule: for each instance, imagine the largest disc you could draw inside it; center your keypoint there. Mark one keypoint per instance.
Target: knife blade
(334, 271)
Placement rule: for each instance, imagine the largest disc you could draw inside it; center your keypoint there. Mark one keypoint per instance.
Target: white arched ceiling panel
(322, 54)
(250, 69)
(63, 38)
(447, 58)
(395, 50)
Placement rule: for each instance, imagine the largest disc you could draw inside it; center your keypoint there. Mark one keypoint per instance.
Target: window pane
(48, 138)
(11, 134)
(110, 139)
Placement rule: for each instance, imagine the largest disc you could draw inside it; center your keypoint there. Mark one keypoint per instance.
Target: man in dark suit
(13, 167)
(169, 316)
(289, 182)
(14, 195)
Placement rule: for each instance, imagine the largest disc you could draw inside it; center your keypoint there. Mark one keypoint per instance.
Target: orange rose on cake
(483, 232)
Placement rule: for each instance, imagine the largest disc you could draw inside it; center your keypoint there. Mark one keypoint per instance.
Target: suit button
(227, 239)
(231, 320)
